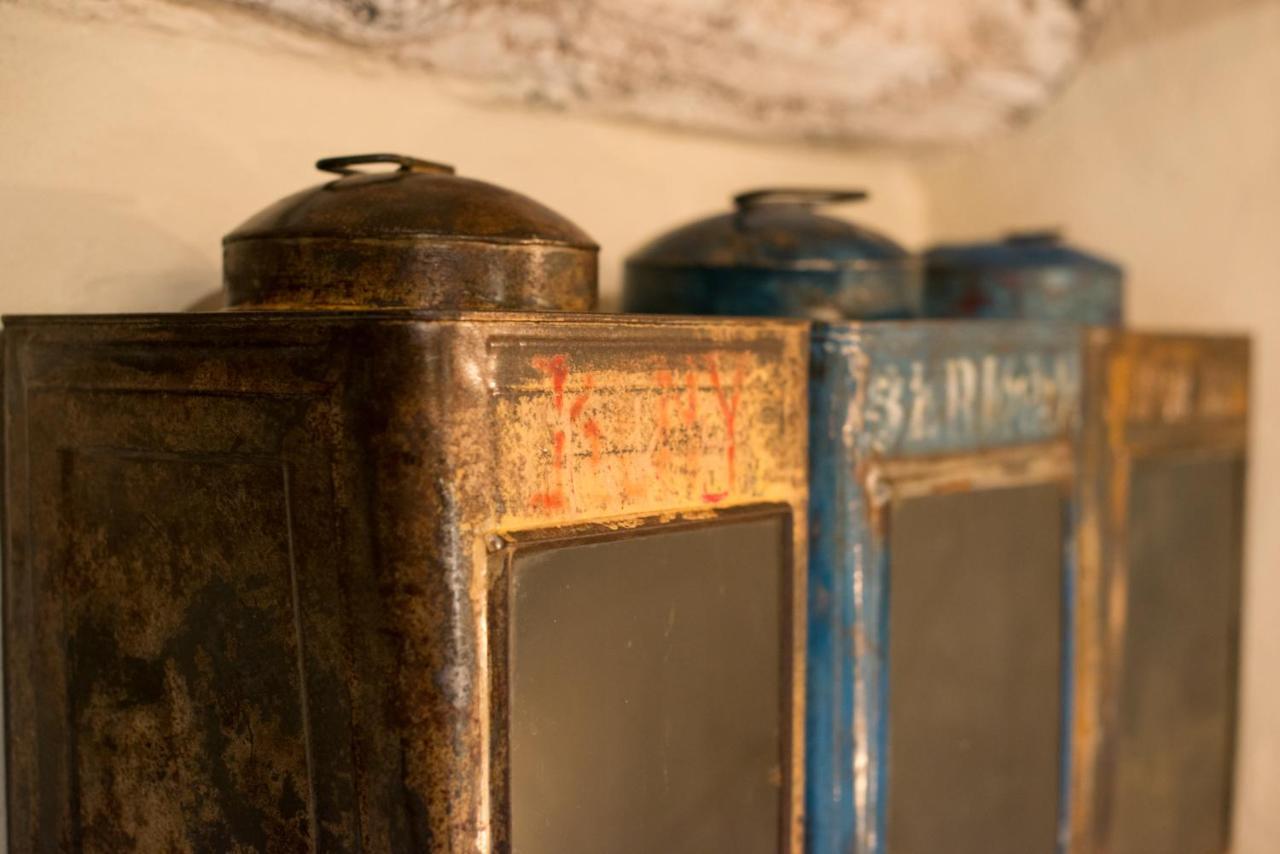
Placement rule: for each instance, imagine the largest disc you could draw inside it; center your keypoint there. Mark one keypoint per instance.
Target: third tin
(1162, 485)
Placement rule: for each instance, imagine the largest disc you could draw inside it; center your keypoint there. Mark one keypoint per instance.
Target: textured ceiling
(847, 70)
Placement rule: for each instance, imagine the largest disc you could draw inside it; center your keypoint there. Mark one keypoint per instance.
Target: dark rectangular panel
(975, 646)
(1178, 683)
(185, 695)
(648, 697)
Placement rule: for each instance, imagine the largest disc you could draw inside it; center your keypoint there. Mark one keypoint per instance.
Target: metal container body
(280, 581)
(942, 593)
(1160, 563)
(1028, 277)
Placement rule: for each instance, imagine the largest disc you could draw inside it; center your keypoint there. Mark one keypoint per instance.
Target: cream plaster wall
(1165, 154)
(127, 152)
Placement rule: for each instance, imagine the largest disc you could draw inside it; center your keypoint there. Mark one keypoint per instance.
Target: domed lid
(1019, 249)
(774, 229)
(417, 237)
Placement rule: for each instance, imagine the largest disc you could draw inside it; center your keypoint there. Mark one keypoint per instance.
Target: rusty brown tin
(248, 591)
(1152, 401)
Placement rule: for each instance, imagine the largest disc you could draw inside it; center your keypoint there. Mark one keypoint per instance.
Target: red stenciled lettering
(589, 427)
(592, 431)
(664, 420)
(556, 367)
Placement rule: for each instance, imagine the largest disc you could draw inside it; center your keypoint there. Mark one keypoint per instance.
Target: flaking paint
(891, 415)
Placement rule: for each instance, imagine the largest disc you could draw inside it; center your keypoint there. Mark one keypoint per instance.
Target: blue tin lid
(775, 255)
(1041, 248)
(1029, 275)
(773, 229)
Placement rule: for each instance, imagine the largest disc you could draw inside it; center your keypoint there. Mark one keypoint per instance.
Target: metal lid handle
(342, 165)
(1037, 237)
(795, 196)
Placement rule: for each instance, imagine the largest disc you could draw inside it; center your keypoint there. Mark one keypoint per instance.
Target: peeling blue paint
(889, 391)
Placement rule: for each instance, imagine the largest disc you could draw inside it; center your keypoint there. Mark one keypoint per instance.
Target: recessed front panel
(975, 647)
(178, 668)
(648, 694)
(1177, 689)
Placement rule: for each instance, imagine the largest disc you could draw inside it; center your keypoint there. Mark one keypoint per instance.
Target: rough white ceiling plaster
(867, 70)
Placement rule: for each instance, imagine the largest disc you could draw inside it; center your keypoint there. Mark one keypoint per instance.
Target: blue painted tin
(904, 412)
(900, 412)
(1028, 275)
(774, 255)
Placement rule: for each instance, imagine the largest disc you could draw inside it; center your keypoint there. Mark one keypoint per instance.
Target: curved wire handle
(342, 165)
(1037, 237)
(795, 196)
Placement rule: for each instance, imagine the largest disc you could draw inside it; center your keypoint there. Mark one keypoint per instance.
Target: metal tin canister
(1163, 480)
(1158, 558)
(1158, 561)
(348, 568)
(774, 255)
(1030, 275)
(941, 706)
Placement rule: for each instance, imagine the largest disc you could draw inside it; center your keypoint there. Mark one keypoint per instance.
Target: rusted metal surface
(247, 556)
(416, 237)
(1156, 402)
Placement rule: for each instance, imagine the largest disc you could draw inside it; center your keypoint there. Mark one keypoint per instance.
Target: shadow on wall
(74, 251)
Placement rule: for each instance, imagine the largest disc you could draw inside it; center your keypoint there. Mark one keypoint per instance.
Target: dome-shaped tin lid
(774, 229)
(415, 237)
(1018, 249)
